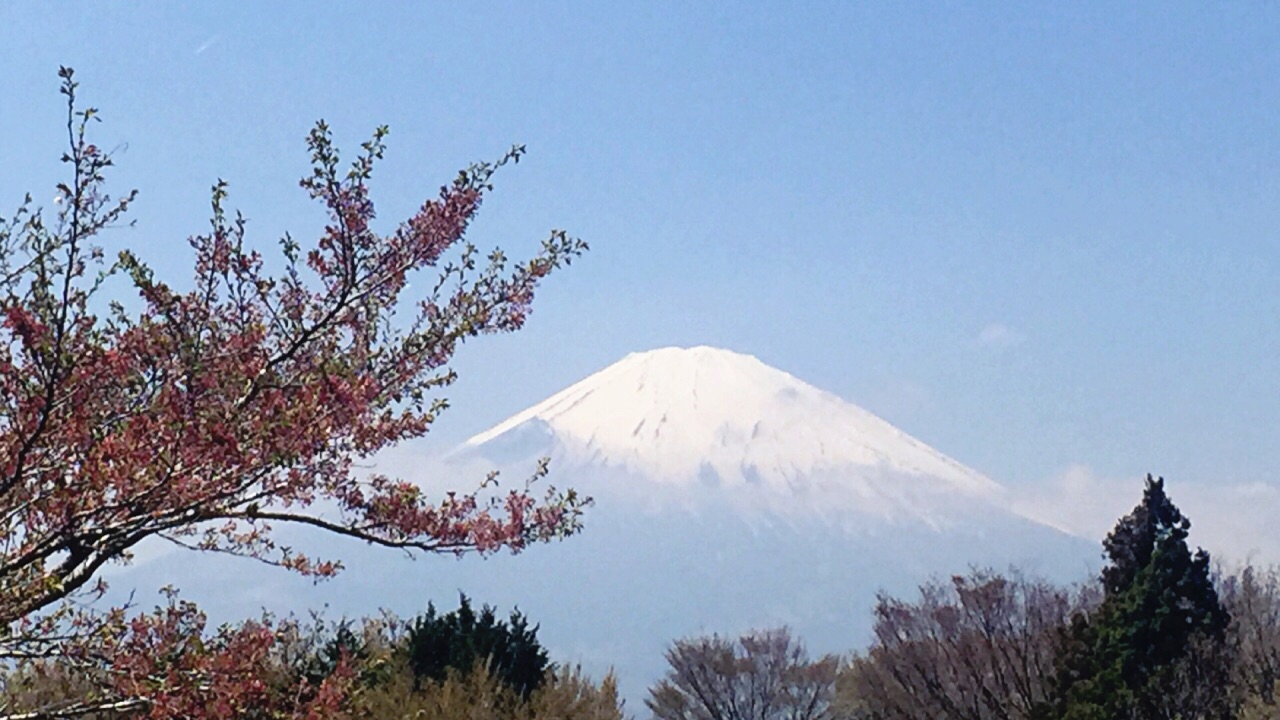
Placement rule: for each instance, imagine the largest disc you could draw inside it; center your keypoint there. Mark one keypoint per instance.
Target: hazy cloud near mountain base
(1232, 522)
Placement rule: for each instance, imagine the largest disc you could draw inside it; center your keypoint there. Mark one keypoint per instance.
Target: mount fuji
(682, 423)
(732, 495)
(729, 495)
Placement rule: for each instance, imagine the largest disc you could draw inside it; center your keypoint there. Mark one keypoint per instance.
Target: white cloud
(998, 336)
(1078, 501)
(206, 45)
(1232, 522)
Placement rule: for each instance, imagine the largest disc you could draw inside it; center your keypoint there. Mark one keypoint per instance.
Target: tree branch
(80, 710)
(353, 532)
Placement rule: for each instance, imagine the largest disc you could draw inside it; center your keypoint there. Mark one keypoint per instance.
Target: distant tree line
(461, 665)
(1159, 636)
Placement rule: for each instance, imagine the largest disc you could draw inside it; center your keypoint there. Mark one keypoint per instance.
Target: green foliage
(1150, 649)
(463, 639)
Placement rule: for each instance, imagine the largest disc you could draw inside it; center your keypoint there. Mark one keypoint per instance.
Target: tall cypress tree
(1134, 656)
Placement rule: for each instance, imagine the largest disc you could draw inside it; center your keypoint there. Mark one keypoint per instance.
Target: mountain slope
(676, 419)
(669, 413)
(732, 495)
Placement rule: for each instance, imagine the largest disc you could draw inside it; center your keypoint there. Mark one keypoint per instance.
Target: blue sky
(1039, 239)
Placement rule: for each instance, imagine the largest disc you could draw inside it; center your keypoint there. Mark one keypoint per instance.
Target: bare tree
(765, 675)
(1253, 599)
(981, 647)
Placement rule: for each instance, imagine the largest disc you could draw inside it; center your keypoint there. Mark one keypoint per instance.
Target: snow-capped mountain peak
(678, 416)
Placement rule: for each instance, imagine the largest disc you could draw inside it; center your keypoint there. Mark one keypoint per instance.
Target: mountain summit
(716, 419)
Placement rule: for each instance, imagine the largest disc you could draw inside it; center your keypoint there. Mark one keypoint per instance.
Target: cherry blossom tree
(211, 412)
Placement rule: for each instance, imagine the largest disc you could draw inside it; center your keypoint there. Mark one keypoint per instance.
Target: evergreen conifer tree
(1147, 651)
(463, 639)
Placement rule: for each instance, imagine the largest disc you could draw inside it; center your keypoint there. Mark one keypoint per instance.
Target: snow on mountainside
(708, 417)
